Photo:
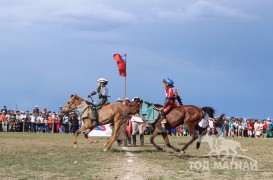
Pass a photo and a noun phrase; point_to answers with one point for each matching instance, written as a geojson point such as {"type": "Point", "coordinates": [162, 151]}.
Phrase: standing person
{"type": "Point", "coordinates": [27, 121]}
{"type": "Point", "coordinates": [75, 122]}
{"type": "Point", "coordinates": [4, 109]}
{"type": "Point", "coordinates": [226, 128]}
{"type": "Point", "coordinates": [46, 129]}
{"type": "Point", "coordinates": [128, 125]}
{"type": "Point", "coordinates": [240, 128]}
{"type": "Point", "coordinates": [264, 128]}
{"type": "Point", "coordinates": [50, 122]}
{"type": "Point", "coordinates": [249, 129]}
{"type": "Point", "coordinates": [32, 122]}
{"type": "Point", "coordinates": [171, 97]}
{"type": "Point", "coordinates": [66, 123]}
{"type": "Point", "coordinates": [261, 127]}
{"type": "Point", "coordinates": [230, 128]}
{"type": "Point", "coordinates": [4, 121]}
{"type": "Point", "coordinates": [12, 121]}
{"type": "Point", "coordinates": [257, 129]}
{"type": "Point", "coordinates": [269, 128]}
{"type": "Point", "coordinates": [23, 120]}
{"type": "Point", "coordinates": [180, 131]}
{"type": "Point", "coordinates": [138, 124]}
{"type": "Point", "coordinates": [58, 123]}
{"type": "Point", "coordinates": [36, 110]}
{"type": "Point", "coordinates": [102, 91]}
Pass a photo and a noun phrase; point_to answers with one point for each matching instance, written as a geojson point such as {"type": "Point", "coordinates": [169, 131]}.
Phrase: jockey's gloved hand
{"type": "Point", "coordinates": [93, 93]}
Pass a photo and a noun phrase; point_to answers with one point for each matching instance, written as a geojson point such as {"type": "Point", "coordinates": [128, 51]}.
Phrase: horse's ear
{"type": "Point", "coordinates": [71, 95]}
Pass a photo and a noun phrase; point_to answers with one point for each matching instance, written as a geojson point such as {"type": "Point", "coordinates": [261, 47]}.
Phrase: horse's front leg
{"type": "Point", "coordinates": [77, 133]}
{"type": "Point", "coordinates": [86, 135]}
{"type": "Point", "coordinates": [155, 133]}
{"type": "Point", "coordinates": [118, 123]}
{"type": "Point", "coordinates": [166, 139]}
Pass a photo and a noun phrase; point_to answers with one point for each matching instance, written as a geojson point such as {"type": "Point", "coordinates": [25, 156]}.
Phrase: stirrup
{"type": "Point", "coordinates": [162, 130]}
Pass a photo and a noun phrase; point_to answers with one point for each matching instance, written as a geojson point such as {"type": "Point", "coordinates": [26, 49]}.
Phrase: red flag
{"type": "Point", "coordinates": [121, 61]}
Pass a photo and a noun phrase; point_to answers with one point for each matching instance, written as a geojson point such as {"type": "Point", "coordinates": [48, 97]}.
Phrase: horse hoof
{"type": "Point", "coordinates": [75, 146]}
{"type": "Point", "coordinates": [95, 141]}
{"type": "Point", "coordinates": [104, 150]}
{"type": "Point", "coordinates": [182, 152]}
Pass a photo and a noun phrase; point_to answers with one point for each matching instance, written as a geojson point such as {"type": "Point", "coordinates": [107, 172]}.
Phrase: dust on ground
{"type": "Point", "coordinates": [133, 166]}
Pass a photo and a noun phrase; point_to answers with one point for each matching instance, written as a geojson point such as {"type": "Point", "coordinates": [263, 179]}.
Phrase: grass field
{"type": "Point", "coordinates": [52, 156]}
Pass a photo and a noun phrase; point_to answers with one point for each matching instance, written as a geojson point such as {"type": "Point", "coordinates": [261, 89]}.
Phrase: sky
{"type": "Point", "coordinates": [219, 53]}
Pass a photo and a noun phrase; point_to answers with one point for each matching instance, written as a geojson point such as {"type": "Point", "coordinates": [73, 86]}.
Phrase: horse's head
{"type": "Point", "coordinates": [135, 105]}
{"type": "Point", "coordinates": [219, 121]}
{"type": "Point", "coordinates": [73, 101]}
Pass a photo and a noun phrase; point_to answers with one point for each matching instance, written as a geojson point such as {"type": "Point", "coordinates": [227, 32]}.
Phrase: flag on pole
{"type": "Point", "coordinates": [121, 61]}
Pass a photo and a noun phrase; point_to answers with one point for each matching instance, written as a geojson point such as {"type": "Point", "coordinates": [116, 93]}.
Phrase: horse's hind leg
{"type": "Point", "coordinates": [191, 129]}
{"type": "Point", "coordinates": [202, 133]}
{"type": "Point", "coordinates": [166, 139]}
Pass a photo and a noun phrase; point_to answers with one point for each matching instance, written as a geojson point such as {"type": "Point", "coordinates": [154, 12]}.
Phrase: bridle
{"type": "Point", "coordinates": [73, 102]}
{"type": "Point", "coordinates": [137, 104]}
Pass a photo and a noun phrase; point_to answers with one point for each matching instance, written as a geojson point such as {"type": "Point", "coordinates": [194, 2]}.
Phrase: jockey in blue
{"type": "Point", "coordinates": [102, 91]}
{"type": "Point", "coordinates": [171, 97]}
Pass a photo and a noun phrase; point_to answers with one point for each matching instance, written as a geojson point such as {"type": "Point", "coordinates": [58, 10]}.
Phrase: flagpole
{"type": "Point", "coordinates": [125, 95]}
{"type": "Point", "coordinates": [124, 87]}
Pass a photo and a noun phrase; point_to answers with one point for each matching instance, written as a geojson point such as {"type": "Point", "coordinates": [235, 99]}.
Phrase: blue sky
{"type": "Point", "coordinates": [217, 52]}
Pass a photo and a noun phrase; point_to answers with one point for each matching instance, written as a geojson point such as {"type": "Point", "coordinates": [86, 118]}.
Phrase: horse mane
{"type": "Point", "coordinates": [158, 105]}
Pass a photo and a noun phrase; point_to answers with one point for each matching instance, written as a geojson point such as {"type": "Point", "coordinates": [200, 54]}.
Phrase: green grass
{"type": "Point", "coordinates": [52, 156]}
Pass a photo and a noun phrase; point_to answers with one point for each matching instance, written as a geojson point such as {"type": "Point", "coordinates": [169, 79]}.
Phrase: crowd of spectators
{"type": "Point", "coordinates": [234, 127]}
{"type": "Point", "coordinates": [44, 121]}
{"type": "Point", "coordinates": [37, 121]}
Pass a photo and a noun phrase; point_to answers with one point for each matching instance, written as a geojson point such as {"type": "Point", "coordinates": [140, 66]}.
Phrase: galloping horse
{"type": "Point", "coordinates": [191, 116]}
{"type": "Point", "coordinates": [116, 113]}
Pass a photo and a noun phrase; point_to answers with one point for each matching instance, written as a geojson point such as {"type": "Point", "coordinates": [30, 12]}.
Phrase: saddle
{"type": "Point", "coordinates": [99, 107]}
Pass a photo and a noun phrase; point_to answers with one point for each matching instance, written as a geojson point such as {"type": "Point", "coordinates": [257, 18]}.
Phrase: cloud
{"type": "Point", "coordinates": [201, 10]}
{"type": "Point", "coordinates": [76, 14]}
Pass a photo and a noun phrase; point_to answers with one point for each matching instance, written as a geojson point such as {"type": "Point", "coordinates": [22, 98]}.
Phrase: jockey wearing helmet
{"type": "Point", "coordinates": [171, 97]}
{"type": "Point", "coordinates": [102, 91]}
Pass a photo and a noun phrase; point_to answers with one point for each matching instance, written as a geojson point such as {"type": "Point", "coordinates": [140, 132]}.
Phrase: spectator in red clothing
{"type": "Point", "coordinates": [249, 129]}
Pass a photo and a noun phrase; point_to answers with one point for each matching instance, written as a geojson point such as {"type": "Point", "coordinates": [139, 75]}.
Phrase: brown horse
{"type": "Point", "coordinates": [112, 113]}
{"type": "Point", "coordinates": [188, 114]}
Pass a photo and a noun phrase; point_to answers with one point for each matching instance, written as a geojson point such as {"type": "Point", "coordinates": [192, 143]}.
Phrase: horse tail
{"type": "Point", "coordinates": [209, 110]}
{"type": "Point", "coordinates": [220, 121]}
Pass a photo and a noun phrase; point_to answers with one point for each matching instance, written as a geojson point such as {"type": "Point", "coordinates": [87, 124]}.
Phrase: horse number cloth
{"type": "Point", "coordinates": [149, 113]}
{"type": "Point", "coordinates": [204, 123]}
{"type": "Point", "coordinates": [82, 108]}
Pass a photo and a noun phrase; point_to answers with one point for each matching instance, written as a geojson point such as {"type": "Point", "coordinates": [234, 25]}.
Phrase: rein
{"type": "Point", "coordinates": [130, 113]}
{"type": "Point", "coordinates": [73, 102]}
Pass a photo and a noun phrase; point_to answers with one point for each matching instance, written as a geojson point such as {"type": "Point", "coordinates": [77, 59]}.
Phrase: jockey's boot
{"type": "Point", "coordinates": [141, 139]}
{"type": "Point", "coordinates": [129, 140]}
{"type": "Point", "coordinates": [134, 140]}
{"type": "Point", "coordinates": [163, 122]}
{"type": "Point", "coordinates": [94, 114]}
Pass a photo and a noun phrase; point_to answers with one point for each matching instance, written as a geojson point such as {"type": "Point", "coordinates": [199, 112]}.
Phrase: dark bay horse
{"type": "Point", "coordinates": [190, 115]}
{"type": "Point", "coordinates": [113, 113]}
